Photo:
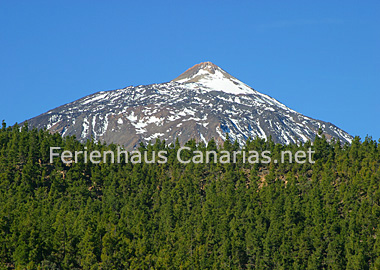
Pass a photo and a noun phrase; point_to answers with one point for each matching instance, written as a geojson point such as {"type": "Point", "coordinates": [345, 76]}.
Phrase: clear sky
{"type": "Point", "coordinates": [320, 58]}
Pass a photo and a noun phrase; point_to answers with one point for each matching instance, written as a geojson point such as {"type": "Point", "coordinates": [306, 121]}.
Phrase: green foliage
{"type": "Point", "coordinates": [188, 216]}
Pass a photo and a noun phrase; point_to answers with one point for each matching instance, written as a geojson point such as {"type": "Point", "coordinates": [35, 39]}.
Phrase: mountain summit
{"type": "Point", "coordinates": [204, 68]}
{"type": "Point", "coordinates": [202, 103]}
{"type": "Point", "coordinates": [213, 77]}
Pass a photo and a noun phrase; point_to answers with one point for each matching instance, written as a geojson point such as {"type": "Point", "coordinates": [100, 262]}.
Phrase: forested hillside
{"type": "Point", "coordinates": [188, 216]}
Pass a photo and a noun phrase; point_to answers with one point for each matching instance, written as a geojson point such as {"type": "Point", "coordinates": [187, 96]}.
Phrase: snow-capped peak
{"type": "Point", "coordinates": [213, 78]}
{"type": "Point", "coordinates": [191, 106]}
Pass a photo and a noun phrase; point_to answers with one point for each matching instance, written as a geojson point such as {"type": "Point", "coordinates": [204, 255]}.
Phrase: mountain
{"type": "Point", "coordinates": [204, 102]}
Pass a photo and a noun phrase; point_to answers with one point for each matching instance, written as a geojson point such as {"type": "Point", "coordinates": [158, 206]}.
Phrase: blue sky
{"type": "Point", "coordinates": [320, 58]}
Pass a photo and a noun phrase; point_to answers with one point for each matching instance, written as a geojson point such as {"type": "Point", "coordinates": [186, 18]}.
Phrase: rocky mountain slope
{"type": "Point", "coordinates": [204, 102]}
